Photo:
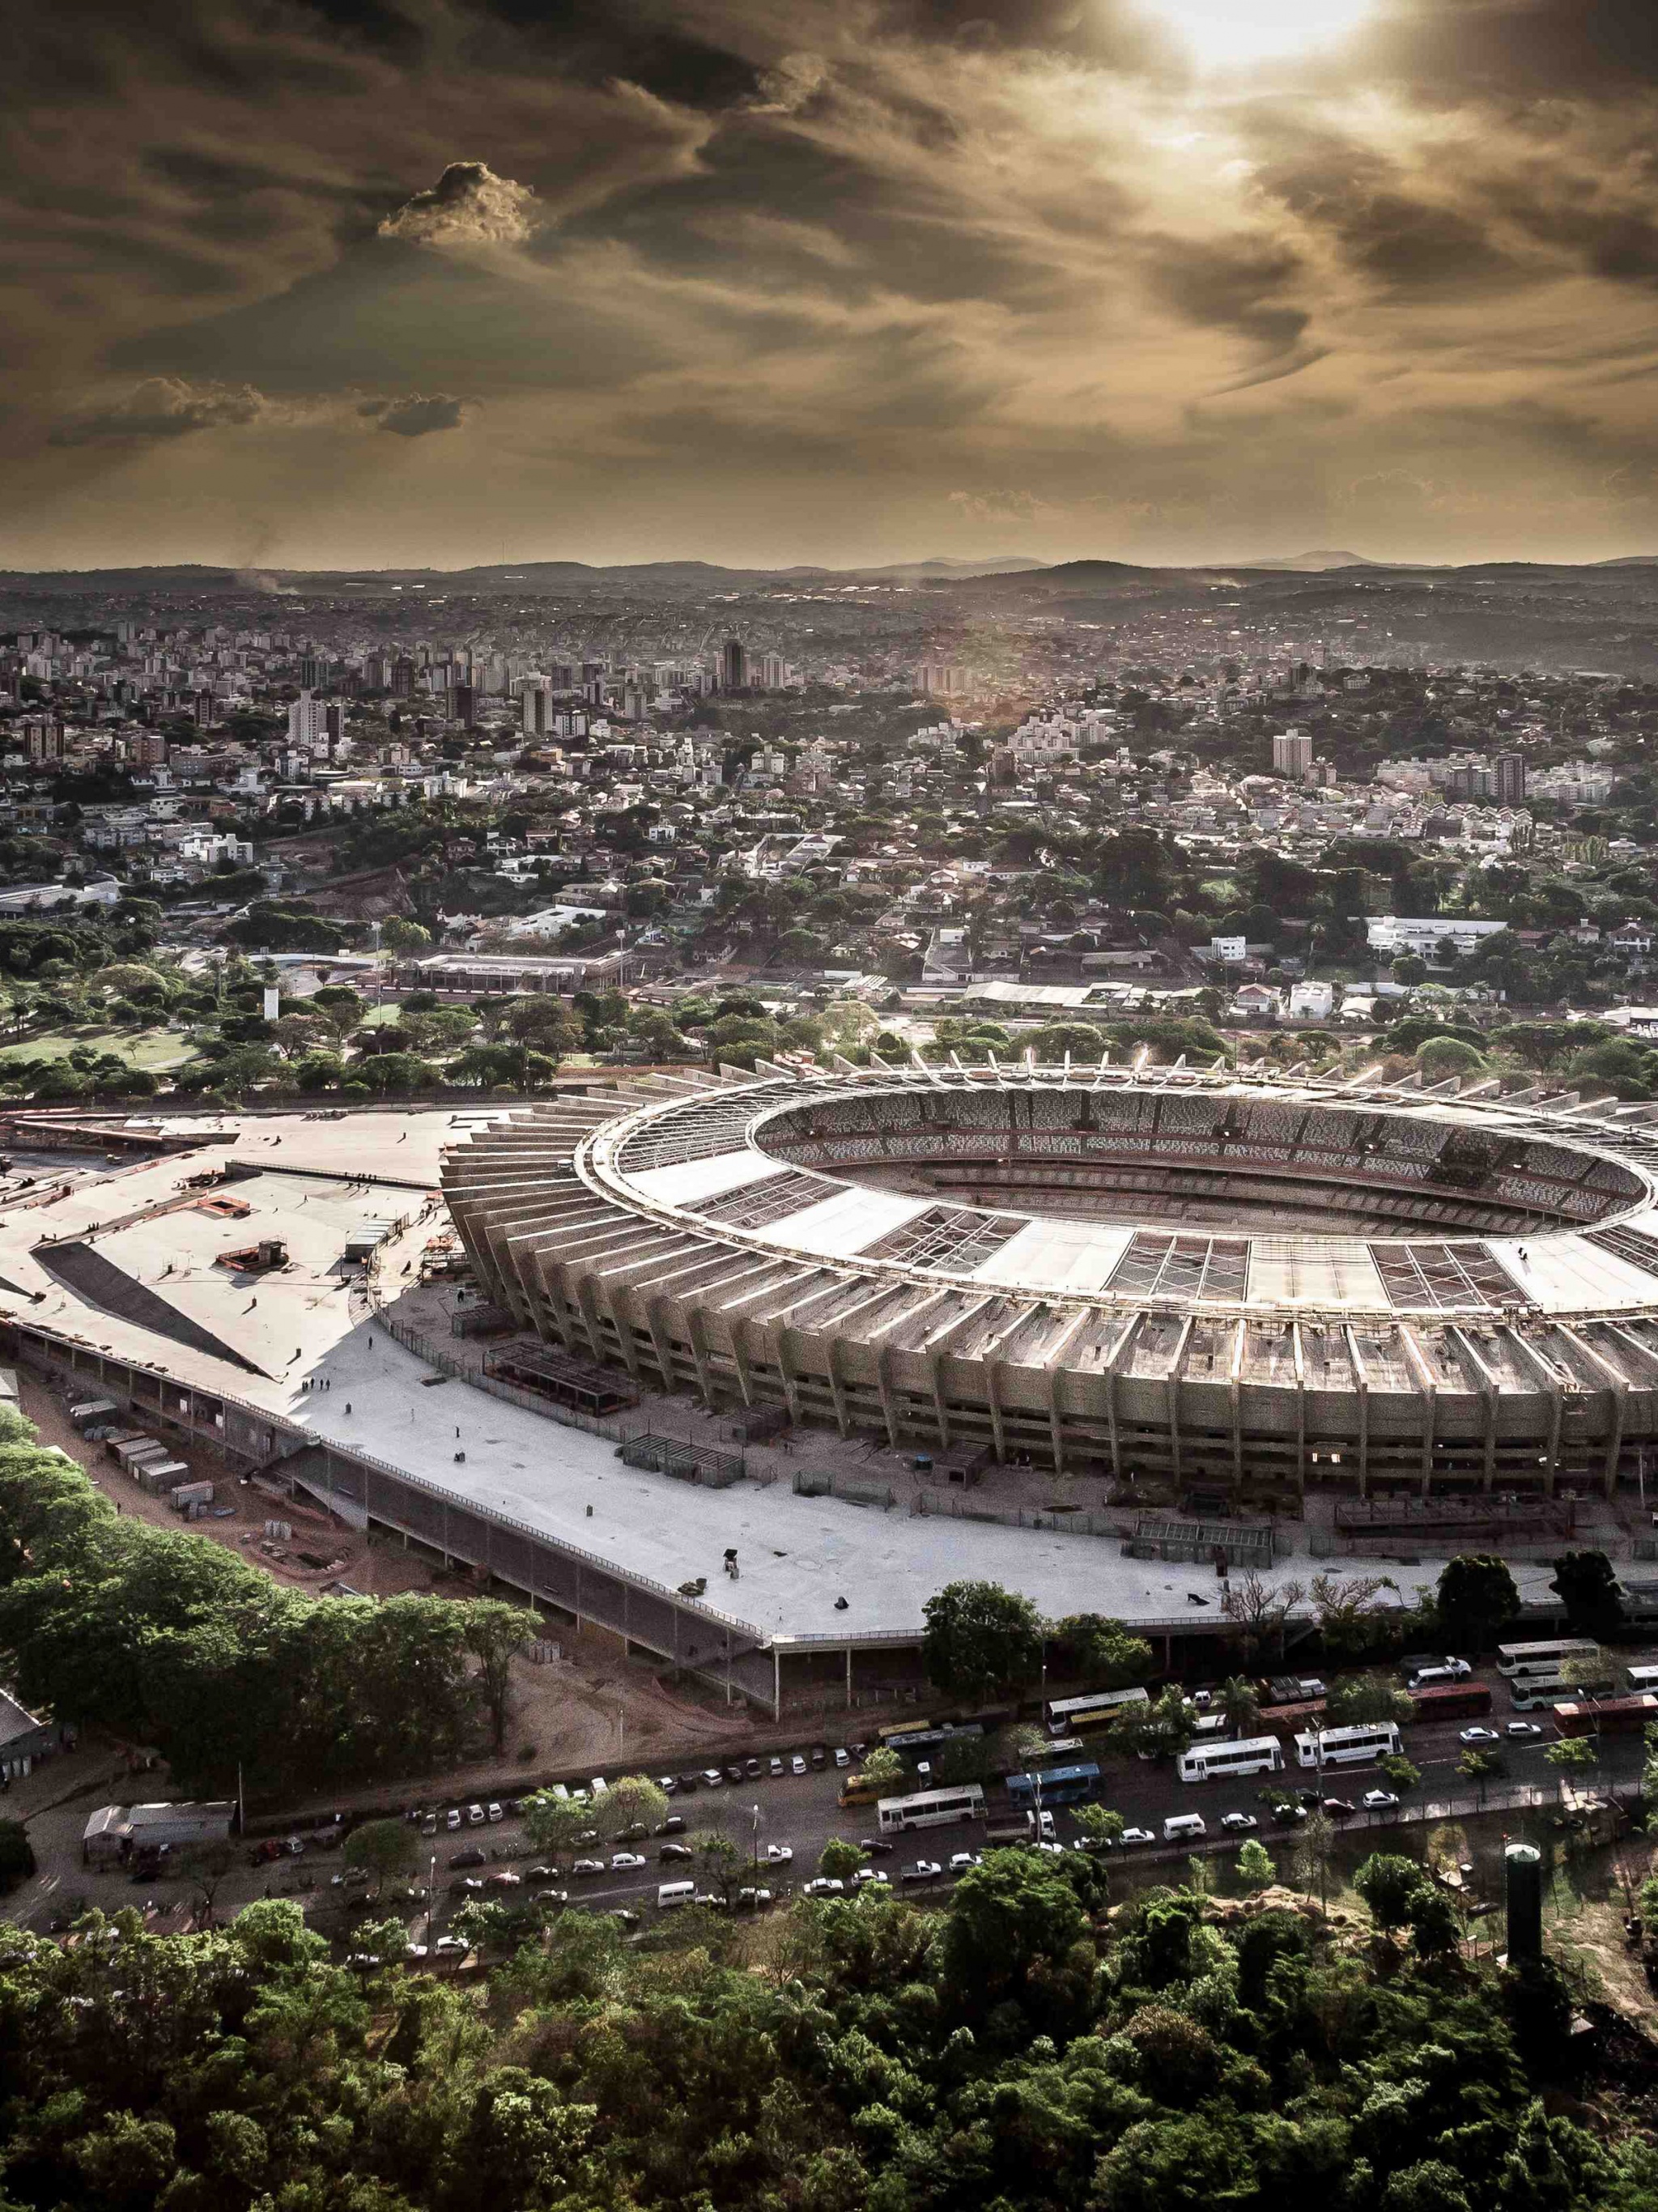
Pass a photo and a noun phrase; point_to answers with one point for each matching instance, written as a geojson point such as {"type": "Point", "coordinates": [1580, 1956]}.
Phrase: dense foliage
{"type": "Point", "coordinates": [1012, 2051]}
{"type": "Point", "coordinates": [171, 1641]}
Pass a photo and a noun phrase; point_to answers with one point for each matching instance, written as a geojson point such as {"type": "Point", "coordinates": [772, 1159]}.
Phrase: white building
{"type": "Point", "coordinates": [307, 724]}
{"type": "Point", "coordinates": [1423, 934]}
{"type": "Point", "coordinates": [1311, 1002]}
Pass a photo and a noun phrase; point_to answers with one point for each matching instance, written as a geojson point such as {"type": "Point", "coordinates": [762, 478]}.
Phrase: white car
{"type": "Point", "coordinates": [798, 1764]}
{"type": "Point", "coordinates": [626, 1862]}
{"type": "Point", "coordinates": [825, 1885]}
{"type": "Point", "coordinates": [475, 1816]}
{"type": "Point", "coordinates": [778, 1854]}
{"type": "Point", "coordinates": [867, 1878]}
{"type": "Point", "coordinates": [1522, 1731]}
{"type": "Point", "coordinates": [712, 1778]}
{"type": "Point", "coordinates": [1136, 1836]}
{"type": "Point", "coordinates": [588, 1866]}
{"type": "Point", "coordinates": [1380, 1800]}
{"type": "Point", "coordinates": [961, 1861]}
{"type": "Point", "coordinates": [1477, 1735]}
{"type": "Point", "coordinates": [492, 1813]}
{"type": "Point", "coordinates": [753, 1900]}
{"type": "Point", "coordinates": [842, 1757]}
{"type": "Point", "coordinates": [1239, 1823]}
{"type": "Point", "coordinates": [451, 1946]}
{"type": "Point", "coordinates": [452, 1819]}
{"type": "Point", "coordinates": [923, 1870]}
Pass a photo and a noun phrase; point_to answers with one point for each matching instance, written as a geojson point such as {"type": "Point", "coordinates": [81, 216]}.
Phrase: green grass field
{"type": "Point", "coordinates": [153, 1048]}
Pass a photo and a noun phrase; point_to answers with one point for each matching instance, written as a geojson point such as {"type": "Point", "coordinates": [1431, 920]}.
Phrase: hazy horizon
{"type": "Point", "coordinates": [348, 283]}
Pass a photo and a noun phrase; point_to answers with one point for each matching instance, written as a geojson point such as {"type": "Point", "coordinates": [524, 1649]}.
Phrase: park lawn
{"type": "Point", "coordinates": [152, 1048]}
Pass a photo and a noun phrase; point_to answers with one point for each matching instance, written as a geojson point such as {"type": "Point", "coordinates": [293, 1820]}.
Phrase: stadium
{"type": "Point", "coordinates": [1212, 1287]}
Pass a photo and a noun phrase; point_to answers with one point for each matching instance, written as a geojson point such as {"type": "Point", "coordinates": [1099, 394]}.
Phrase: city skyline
{"type": "Point", "coordinates": [429, 282]}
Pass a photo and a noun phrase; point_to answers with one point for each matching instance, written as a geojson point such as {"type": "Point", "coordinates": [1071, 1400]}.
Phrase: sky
{"type": "Point", "coordinates": [767, 281]}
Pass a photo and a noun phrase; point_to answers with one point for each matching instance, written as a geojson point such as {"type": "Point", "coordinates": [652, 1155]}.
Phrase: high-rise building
{"type": "Point", "coordinates": [1292, 754]}
{"type": "Point", "coordinates": [307, 724]}
{"type": "Point", "coordinates": [535, 707]}
{"type": "Point", "coordinates": [734, 665]}
{"type": "Point", "coordinates": [462, 705]}
{"type": "Point", "coordinates": [313, 671]}
{"type": "Point", "coordinates": [1509, 778]}
{"type": "Point", "coordinates": [941, 679]}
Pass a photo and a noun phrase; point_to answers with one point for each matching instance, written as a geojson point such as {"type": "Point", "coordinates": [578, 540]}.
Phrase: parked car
{"type": "Point", "coordinates": [841, 1758]}
{"type": "Point", "coordinates": [452, 1819]}
{"type": "Point", "coordinates": [472, 1856]}
{"type": "Point", "coordinates": [712, 1778]}
{"type": "Point", "coordinates": [1380, 1800]}
{"type": "Point", "coordinates": [676, 1851]}
{"type": "Point", "coordinates": [877, 1846]}
{"type": "Point", "coordinates": [1523, 1731]}
{"type": "Point", "coordinates": [753, 1769]}
{"type": "Point", "coordinates": [752, 1900]}
{"type": "Point", "coordinates": [673, 1825]}
{"type": "Point", "coordinates": [825, 1885]}
{"type": "Point", "coordinates": [687, 1783]}
{"type": "Point", "coordinates": [820, 1754]}
{"type": "Point", "coordinates": [870, 1878]}
{"type": "Point", "coordinates": [923, 1870]}
{"type": "Point", "coordinates": [632, 1833]}
{"type": "Point", "coordinates": [1239, 1823]}
{"type": "Point", "coordinates": [627, 1919]}
{"type": "Point", "coordinates": [505, 1878]}
{"type": "Point", "coordinates": [626, 1862]}
{"type": "Point", "coordinates": [776, 1770]}
{"type": "Point", "coordinates": [451, 1946]}
{"type": "Point", "coordinates": [779, 1854]}
{"type": "Point", "coordinates": [492, 1813]}
{"type": "Point", "coordinates": [541, 1873]}
{"type": "Point", "coordinates": [468, 1886]}
{"type": "Point", "coordinates": [797, 1764]}
{"type": "Point", "coordinates": [1477, 1734]}
{"type": "Point", "coordinates": [475, 1816]}
{"type": "Point", "coordinates": [588, 1866]}
{"type": "Point", "coordinates": [734, 1771]}
{"type": "Point", "coordinates": [667, 1783]}
{"type": "Point", "coordinates": [1339, 1809]}
{"type": "Point", "coordinates": [961, 1861]}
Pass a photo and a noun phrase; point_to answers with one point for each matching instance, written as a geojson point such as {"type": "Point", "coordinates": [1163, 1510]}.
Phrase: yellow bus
{"type": "Point", "coordinates": [856, 1790]}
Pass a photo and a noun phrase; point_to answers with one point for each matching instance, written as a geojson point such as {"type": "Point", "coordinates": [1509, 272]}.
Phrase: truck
{"type": "Point", "coordinates": [1022, 1830]}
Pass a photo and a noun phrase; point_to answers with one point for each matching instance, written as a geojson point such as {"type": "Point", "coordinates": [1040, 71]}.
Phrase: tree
{"type": "Point", "coordinates": [1363, 1698]}
{"type": "Point", "coordinates": [204, 1866]}
{"type": "Point", "coordinates": [16, 1855]}
{"type": "Point", "coordinates": [635, 1797]}
{"type": "Point", "coordinates": [839, 1860]}
{"type": "Point", "coordinates": [400, 935]}
{"type": "Point", "coordinates": [1399, 1774]}
{"type": "Point", "coordinates": [1586, 1582]}
{"type": "Point", "coordinates": [1013, 1914]}
{"type": "Point", "coordinates": [1162, 1728]}
{"type": "Point", "coordinates": [1349, 1617]}
{"type": "Point", "coordinates": [383, 1848]}
{"type": "Point", "coordinates": [554, 1824]}
{"type": "Point", "coordinates": [1239, 1705]}
{"type": "Point", "coordinates": [494, 1634]}
{"type": "Point", "coordinates": [1476, 1597]}
{"type": "Point", "coordinates": [1102, 1652]}
{"type": "Point", "coordinates": [718, 1860]}
{"type": "Point", "coordinates": [1260, 1610]}
{"type": "Point", "coordinates": [1435, 1930]}
{"type": "Point", "coordinates": [1255, 1868]}
{"type": "Point", "coordinates": [980, 1640]}
{"type": "Point", "coordinates": [1387, 1882]}
{"type": "Point", "coordinates": [1478, 1767]}
{"type": "Point", "coordinates": [1101, 1825]}
{"type": "Point", "coordinates": [1572, 1754]}
{"type": "Point", "coordinates": [884, 1770]}
{"type": "Point", "coordinates": [1317, 1844]}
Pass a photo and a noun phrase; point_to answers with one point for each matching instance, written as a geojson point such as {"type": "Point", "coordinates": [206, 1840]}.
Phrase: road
{"type": "Point", "coordinates": [803, 1812]}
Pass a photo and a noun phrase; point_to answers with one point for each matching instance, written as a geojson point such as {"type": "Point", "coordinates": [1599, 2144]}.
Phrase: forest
{"type": "Point", "coordinates": [1030, 2044]}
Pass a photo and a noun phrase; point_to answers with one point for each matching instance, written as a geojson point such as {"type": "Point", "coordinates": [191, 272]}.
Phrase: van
{"type": "Point", "coordinates": [670, 1893]}
{"type": "Point", "coordinates": [1433, 1678]}
{"type": "Point", "coordinates": [1181, 1827]}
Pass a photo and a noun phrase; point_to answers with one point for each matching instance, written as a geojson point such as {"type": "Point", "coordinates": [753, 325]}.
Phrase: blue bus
{"type": "Point", "coordinates": [1057, 1786]}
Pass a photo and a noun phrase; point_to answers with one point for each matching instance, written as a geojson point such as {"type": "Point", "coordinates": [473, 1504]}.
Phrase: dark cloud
{"type": "Point", "coordinates": [416, 415]}
{"type": "Point", "coordinates": [160, 409]}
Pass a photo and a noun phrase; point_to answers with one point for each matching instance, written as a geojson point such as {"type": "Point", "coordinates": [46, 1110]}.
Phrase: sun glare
{"type": "Point", "coordinates": [1223, 33]}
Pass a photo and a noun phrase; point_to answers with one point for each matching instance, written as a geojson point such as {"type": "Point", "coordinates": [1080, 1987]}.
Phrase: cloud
{"type": "Point", "coordinates": [161, 408]}
{"type": "Point", "coordinates": [417, 414]}
{"type": "Point", "coordinates": [469, 205]}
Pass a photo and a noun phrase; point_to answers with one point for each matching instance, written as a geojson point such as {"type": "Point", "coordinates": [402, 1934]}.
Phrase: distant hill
{"type": "Point", "coordinates": [1312, 564]}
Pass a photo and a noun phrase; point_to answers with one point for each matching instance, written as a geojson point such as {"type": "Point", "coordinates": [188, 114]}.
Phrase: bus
{"type": "Point", "coordinates": [1517, 1660]}
{"type": "Point", "coordinates": [1291, 1717]}
{"type": "Point", "coordinates": [1612, 1716]}
{"type": "Point", "coordinates": [931, 1809]}
{"type": "Point", "coordinates": [1066, 1747]}
{"type": "Point", "coordinates": [1070, 1716]}
{"type": "Point", "coordinates": [1358, 1745]}
{"type": "Point", "coordinates": [1536, 1693]}
{"type": "Point", "coordinates": [1450, 1701]}
{"type": "Point", "coordinates": [1054, 1785]}
{"type": "Point", "coordinates": [902, 1728]}
{"type": "Point", "coordinates": [918, 1743]}
{"type": "Point", "coordinates": [1249, 1755]}
{"type": "Point", "coordinates": [856, 1790]}
{"type": "Point", "coordinates": [1642, 1678]}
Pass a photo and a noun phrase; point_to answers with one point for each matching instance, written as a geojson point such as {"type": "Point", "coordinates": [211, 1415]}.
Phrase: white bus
{"type": "Point", "coordinates": [1516, 1661]}
{"type": "Point", "coordinates": [1531, 1694]}
{"type": "Point", "coordinates": [1249, 1755]}
{"type": "Point", "coordinates": [931, 1809]}
{"type": "Point", "coordinates": [1069, 1716]}
{"type": "Point", "coordinates": [1358, 1745]}
{"type": "Point", "coordinates": [1642, 1678]}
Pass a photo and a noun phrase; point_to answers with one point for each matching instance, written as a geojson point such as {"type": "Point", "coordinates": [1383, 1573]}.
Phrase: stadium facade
{"type": "Point", "coordinates": [1232, 1285]}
